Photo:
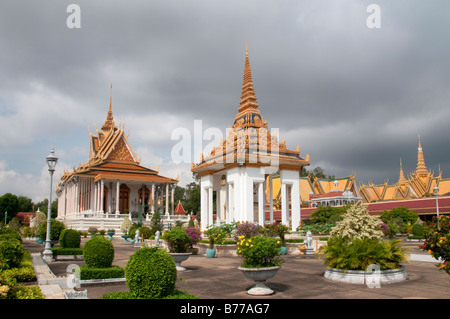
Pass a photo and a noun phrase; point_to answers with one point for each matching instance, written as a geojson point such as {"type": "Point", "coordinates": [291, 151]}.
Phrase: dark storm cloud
{"type": "Point", "coordinates": [353, 98]}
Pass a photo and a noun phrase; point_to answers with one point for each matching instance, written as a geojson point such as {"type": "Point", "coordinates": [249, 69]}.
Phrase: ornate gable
{"type": "Point", "coordinates": [120, 152]}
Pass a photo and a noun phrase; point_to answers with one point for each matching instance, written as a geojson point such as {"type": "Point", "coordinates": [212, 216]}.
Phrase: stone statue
{"type": "Point", "coordinates": [157, 236]}
{"type": "Point", "coordinates": [309, 239]}
{"type": "Point", "coordinates": [137, 239]}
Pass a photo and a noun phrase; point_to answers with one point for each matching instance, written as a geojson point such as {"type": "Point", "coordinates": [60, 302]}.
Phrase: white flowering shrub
{"type": "Point", "coordinates": [357, 223]}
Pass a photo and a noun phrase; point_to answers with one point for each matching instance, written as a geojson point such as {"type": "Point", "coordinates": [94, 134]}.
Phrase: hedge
{"type": "Point", "coordinates": [87, 273]}
{"type": "Point", "coordinates": [60, 251]}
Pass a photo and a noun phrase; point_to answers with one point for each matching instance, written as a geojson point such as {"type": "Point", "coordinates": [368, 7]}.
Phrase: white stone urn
{"type": "Point", "coordinates": [259, 276]}
{"type": "Point", "coordinates": [178, 258]}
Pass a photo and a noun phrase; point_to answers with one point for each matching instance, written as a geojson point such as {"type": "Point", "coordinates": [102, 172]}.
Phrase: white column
{"type": "Point", "coordinates": [227, 205]}
{"type": "Point", "coordinates": [284, 207]}
{"type": "Point", "coordinates": [218, 207]}
{"type": "Point", "coordinates": [203, 207]}
{"type": "Point", "coordinates": [102, 192]}
{"type": "Point", "coordinates": [172, 199]}
{"type": "Point", "coordinates": [295, 204]}
{"type": "Point", "coordinates": [210, 206]}
{"type": "Point", "coordinates": [142, 199]}
{"type": "Point", "coordinates": [153, 197]}
{"type": "Point", "coordinates": [261, 204]}
{"type": "Point", "coordinates": [117, 196]}
{"type": "Point", "coordinates": [167, 199]}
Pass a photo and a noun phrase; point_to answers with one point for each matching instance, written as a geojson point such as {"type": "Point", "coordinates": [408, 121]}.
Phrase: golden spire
{"type": "Point", "coordinates": [248, 97]}
{"type": "Point", "coordinates": [421, 169]}
{"type": "Point", "coordinates": [401, 179]}
{"type": "Point", "coordinates": [109, 123]}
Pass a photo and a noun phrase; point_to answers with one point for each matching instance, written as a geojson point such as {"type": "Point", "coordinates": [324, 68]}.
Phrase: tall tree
{"type": "Point", "coordinates": [25, 204]}
{"type": "Point", "coordinates": [192, 194]}
{"type": "Point", "coordinates": [10, 204]}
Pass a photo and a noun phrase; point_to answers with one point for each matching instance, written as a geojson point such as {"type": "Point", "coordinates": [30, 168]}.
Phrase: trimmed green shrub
{"type": "Point", "coordinates": [98, 252]}
{"type": "Point", "coordinates": [56, 227]}
{"type": "Point", "coordinates": [25, 272]}
{"type": "Point", "coordinates": [87, 272]}
{"type": "Point", "coordinates": [29, 292]}
{"type": "Point", "coordinates": [70, 238]}
{"type": "Point", "coordinates": [11, 253]}
{"type": "Point", "coordinates": [59, 251]}
{"type": "Point", "coordinates": [150, 273]}
{"type": "Point", "coordinates": [8, 236]}
{"type": "Point", "coordinates": [418, 230]}
{"type": "Point", "coordinates": [21, 274]}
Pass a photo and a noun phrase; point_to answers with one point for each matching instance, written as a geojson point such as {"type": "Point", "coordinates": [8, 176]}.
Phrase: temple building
{"type": "Point", "coordinates": [112, 184]}
{"type": "Point", "coordinates": [244, 165]}
{"type": "Point", "coordinates": [419, 184]}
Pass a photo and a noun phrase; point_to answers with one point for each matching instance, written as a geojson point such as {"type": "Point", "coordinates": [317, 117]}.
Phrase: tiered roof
{"type": "Point", "coordinates": [112, 157]}
{"type": "Point", "coordinates": [249, 142]}
{"type": "Point", "coordinates": [419, 184]}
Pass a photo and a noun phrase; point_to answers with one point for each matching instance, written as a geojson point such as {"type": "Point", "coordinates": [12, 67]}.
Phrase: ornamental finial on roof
{"type": "Point", "coordinates": [109, 123]}
{"type": "Point", "coordinates": [248, 97]}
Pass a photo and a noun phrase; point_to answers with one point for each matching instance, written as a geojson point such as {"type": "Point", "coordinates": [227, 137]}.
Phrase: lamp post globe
{"type": "Point", "coordinates": [51, 160]}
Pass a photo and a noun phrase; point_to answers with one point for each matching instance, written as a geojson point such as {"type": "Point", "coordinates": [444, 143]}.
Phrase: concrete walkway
{"type": "Point", "coordinates": [219, 278]}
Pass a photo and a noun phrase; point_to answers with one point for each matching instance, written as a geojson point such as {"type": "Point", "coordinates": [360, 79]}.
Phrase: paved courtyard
{"type": "Point", "coordinates": [298, 278]}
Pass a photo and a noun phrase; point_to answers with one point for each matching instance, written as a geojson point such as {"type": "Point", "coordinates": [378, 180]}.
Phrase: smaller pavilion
{"type": "Point", "coordinates": [113, 184]}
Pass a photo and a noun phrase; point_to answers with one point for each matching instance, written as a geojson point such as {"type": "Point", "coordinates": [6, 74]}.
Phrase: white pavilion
{"type": "Point", "coordinates": [245, 162]}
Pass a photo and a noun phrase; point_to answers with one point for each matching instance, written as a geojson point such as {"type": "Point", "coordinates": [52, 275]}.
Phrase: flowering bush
{"type": "Point", "coordinates": [277, 229]}
{"type": "Point", "coordinates": [247, 229]}
{"type": "Point", "coordinates": [357, 223]}
{"type": "Point", "coordinates": [437, 241]}
{"type": "Point", "coordinates": [216, 235]}
{"type": "Point", "coordinates": [194, 233]}
{"type": "Point", "coordinates": [259, 251]}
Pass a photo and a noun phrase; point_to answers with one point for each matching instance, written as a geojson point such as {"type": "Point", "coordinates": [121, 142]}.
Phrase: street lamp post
{"type": "Point", "coordinates": [436, 191]}
{"type": "Point", "coordinates": [51, 160]}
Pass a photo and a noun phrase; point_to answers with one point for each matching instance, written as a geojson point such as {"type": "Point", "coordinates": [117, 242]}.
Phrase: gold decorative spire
{"type": "Point", "coordinates": [421, 169]}
{"type": "Point", "coordinates": [401, 179]}
{"type": "Point", "coordinates": [109, 123]}
{"type": "Point", "coordinates": [248, 97]}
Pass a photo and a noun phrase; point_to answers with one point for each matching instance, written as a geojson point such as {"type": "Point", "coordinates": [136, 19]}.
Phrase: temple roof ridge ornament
{"type": "Point", "coordinates": [421, 169]}
{"type": "Point", "coordinates": [109, 122]}
{"type": "Point", "coordinates": [401, 179]}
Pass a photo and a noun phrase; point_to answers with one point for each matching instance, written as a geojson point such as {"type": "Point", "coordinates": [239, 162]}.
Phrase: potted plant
{"type": "Point", "coordinates": [125, 227]}
{"type": "Point", "coordinates": [93, 231]}
{"type": "Point", "coordinates": [355, 247]}
{"type": "Point", "coordinates": [280, 230]}
{"type": "Point", "coordinates": [177, 241]}
{"type": "Point", "coordinates": [195, 235]}
{"type": "Point", "coordinates": [215, 236]}
{"type": "Point", "coordinates": [261, 261]}
{"type": "Point", "coordinates": [111, 233]}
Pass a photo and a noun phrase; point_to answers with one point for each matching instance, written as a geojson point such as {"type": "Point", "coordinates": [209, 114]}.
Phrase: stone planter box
{"type": "Point", "coordinates": [364, 277]}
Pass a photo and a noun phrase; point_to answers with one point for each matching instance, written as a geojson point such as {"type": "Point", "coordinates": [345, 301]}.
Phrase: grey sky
{"type": "Point", "coordinates": [354, 98]}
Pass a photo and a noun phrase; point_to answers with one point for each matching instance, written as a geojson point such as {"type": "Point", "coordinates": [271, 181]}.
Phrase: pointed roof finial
{"type": "Point", "coordinates": [109, 123]}
{"type": "Point", "coordinates": [401, 179]}
{"type": "Point", "coordinates": [248, 97]}
{"type": "Point", "coordinates": [421, 169]}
